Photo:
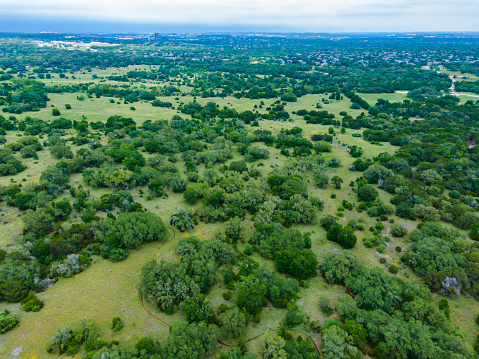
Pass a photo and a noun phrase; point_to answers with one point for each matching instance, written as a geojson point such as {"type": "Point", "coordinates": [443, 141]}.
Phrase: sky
{"type": "Point", "coordinates": [238, 15]}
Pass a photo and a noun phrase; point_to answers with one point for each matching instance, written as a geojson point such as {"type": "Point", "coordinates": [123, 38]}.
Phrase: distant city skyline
{"type": "Point", "coordinates": [238, 16]}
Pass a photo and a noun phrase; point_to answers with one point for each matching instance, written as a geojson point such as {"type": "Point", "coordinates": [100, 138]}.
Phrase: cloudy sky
{"type": "Point", "coordinates": [239, 15]}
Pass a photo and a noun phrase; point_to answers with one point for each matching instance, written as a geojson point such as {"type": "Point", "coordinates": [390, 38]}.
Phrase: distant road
{"type": "Point", "coordinates": [453, 89]}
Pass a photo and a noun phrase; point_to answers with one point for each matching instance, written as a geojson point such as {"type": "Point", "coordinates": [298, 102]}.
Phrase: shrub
{"type": "Point", "coordinates": [398, 231]}
{"type": "Point", "coordinates": [379, 226]}
{"type": "Point", "coordinates": [31, 303]}
{"type": "Point", "coordinates": [248, 249]}
{"type": "Point", "coordinates": [238, 166]}
{"type": "Point", "coordinates": [190, 196]}
{"type": "Point", "coordinates": [183, 219]}
{"type": "Point", "coordinates": [7, 321]}
{"type": "Point", "coordinates": [367, 193]}
{"type": "Point", "coordinates": [179, 185]}
{"type": "Point", "coordinates": [94, 344]}
{"type": "Point", "coordinates": [148, 345]}
{"type": "Point", "coordinates": [227, 295]}
{"type": "Point", "coordinates": [315, 326]}
{"type": "Point", "coordinates": [444, 306]}
{"type": "Point", "coordinates": [67, 339]}
{"type": "Point", "coordinates": [393, 269]}
{"type": "Point", "coordinates": [13, 291]}
{"type": "Point", "coordinates": [281, 303]}
{"type": "Point", "coordinates": [382, 260]}
{"type": "Point", "coordinates": [294, 316]}
{"type": "Point", "coordinates": [325, 306]}
{"type": "Point", "coordinates": [117, 324]}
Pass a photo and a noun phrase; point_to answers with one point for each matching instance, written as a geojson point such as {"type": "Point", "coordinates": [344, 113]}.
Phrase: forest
{"type": "Point", "coordinates": [239, 196]}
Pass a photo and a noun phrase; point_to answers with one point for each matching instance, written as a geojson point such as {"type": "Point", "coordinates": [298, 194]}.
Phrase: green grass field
{"type": "Point", "coordinates": [460, 76]}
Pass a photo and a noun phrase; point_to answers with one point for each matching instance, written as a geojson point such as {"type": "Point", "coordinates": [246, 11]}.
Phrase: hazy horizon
{"type": "Point", "coordinates": [235, 16]}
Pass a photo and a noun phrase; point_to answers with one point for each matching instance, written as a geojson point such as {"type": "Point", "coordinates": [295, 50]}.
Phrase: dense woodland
{"type": "Point", "coordinates": [268, 220]}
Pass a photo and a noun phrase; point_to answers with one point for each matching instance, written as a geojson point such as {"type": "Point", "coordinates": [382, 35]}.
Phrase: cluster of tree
{"type": "Point", "coordinates": [392, 317]}
{"type": "Point", "coordinates": [356, 100]}
{"type": "Point", "coordinates": [468, 86]}
{"type": "Point", "coordinates": [444, 258]}
{"type": "Point", "coordinates": [9, 165]}
{"type": "Point", "coordinates": [68, 250]}
{"type": "Point", "coordinates": [24, 95]}
{"type": "Point", "coordinates": [344, 236]}
{"type": "Point", "coordinates": [318, 117]}
{"type": "Point", "coordinates": [196, 272]}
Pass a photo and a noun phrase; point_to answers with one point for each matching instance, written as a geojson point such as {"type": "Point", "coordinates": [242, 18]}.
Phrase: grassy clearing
{"type": "Point", "coordinates": [460, 76]}
{"type": "Point", "coordinates": [372, 98]}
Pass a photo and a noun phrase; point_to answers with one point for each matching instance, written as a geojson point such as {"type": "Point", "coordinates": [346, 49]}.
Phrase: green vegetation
{"type": "Point", "coordinates": [286, 202]}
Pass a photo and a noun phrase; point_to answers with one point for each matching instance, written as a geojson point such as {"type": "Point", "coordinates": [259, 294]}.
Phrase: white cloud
{"type": "Point", "coordinates": [309, 15]}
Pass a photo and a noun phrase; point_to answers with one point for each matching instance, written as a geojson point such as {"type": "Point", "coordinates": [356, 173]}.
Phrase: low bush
{"type": "Point", "coordinates": [117, 324]}
{"type": "Point", "coordinates": [31, 303]}
{"type": "Point", "coordinates": [7, 321]}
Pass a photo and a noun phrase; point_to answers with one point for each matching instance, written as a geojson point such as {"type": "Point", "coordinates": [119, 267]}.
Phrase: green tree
{"type": "Point", "coordinates": [190, 195]}
{"type": "Point", "coordinates": [166, 284]}
{"type": "Point", "coordinates": [375, 289]}
{"type": "Point", "coordinates": [346, 237]}
{"type": "Point", "coordinates": [129, 230]}
{"type": "Point", "coordinates": [183, 219]}
{"type": "Point", "coordinates": [356, 331]}
{"type": "Point", "coordinates": [339, 344]}
{"type": "Point", "coordinates": [376, 173]}
{"type": "Point", "coordinates": [321, 179]}
{"type": "Point", "coordinates": [251, 294]}
{"type": "Point", "coordinates": [337, 182]}
{"type": "Point", "coordinates": [60, 151]}
{"type": "Point", "coordinates": [190, 341]}
{"type": "Point", "coordinates": [197, 309]}
{"type": "Point", "coordinates": [338, 267]}
{"type": "Point", "coordinates": [273, 346]}
{"type": "Point", "coordinates": [474, 231]}
{"type": "Point", "coordinates": [7, 321]}
{"type": "Point", "coordinates": [367, 193]}
{"type": "Point", "coordinates": [232, 323]}
{"type": "Point", "coordinates": [238, 166]}
{"type": "Point", "coordinates": [39, 222]}
{"type": "Point", "coordinates": [430, 177]}
{"type": "Point", "coordinates": [301, 264]}
{"type": "Point", "coordinates": [235, 230]}
{"type": "Point", "coordinates": [215, 198]}
{"type": "Point", "coordinates": [333, 232]}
